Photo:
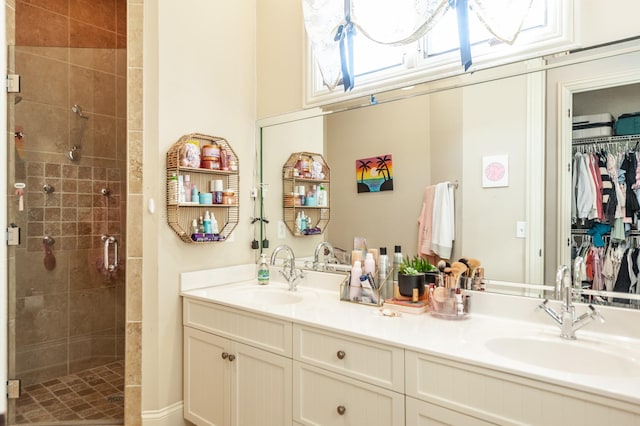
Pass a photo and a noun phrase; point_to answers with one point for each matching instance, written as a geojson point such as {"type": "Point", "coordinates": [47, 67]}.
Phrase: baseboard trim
{"type": "Point", "coordinates": [167, 416]}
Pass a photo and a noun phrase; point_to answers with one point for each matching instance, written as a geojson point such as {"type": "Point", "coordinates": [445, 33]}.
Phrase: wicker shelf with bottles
{"type": "Point", "coordinates": [180, 215]}
{"type": "Point", "coordinates": [294, 176]}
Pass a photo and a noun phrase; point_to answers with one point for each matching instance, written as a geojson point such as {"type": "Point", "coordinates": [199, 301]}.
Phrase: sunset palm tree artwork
{"type": "Point", "coordinates": [374, 174]}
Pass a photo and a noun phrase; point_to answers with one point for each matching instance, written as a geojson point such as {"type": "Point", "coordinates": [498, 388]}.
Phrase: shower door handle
{"type": "Point", "coordinates": [108, 241]}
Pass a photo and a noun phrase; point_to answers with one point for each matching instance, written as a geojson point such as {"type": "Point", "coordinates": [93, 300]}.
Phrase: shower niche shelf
{"type": "Point", "coordinates": [180, 215]}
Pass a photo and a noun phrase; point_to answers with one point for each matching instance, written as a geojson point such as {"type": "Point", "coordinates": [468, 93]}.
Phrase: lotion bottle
{"type": "Point", "coordinates": [298, 224]}
{"type": "Point", "coordinates": [214, 224]}
{"type": "Point", "coordinates": [322, 197]}
{"type": "Point", "coordinates": [369, 264]}
{"type": "Point", "coordinates": [355, 289]}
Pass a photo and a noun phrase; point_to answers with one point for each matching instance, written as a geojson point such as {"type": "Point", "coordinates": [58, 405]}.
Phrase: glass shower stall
{"type": "Point", "coordinates": [66, 180]}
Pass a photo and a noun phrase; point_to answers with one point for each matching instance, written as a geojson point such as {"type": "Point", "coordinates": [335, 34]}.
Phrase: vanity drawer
{"type": "Point", "coordinates": [259, 331]}
{"type": "Point", "coordinates": [324, 398]}
{"type": "Point", "coordinates": [371, 362]}
{"type": "Point", "coordinates": [495, 397]}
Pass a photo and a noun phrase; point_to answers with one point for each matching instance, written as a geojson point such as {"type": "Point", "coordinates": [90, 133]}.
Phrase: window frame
{"type": "Point", "coordinates": [556, 37]}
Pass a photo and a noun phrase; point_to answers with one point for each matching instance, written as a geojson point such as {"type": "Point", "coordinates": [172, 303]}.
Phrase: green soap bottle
{"type": "Point", "coordinates": [263, 270]}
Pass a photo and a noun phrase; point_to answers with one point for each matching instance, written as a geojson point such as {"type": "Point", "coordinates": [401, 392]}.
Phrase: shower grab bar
{"type": "Point", "coordinates": [108, 241]}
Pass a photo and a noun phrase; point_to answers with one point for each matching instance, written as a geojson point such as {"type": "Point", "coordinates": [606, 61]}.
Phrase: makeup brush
{"type": "Point", "coordinates": [473, 266]}
{"type": "Point", "coordinates": [458, 269]}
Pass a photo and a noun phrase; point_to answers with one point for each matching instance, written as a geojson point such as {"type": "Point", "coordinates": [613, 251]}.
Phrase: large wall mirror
{"type": "Point", "coordinates": [443, 132]}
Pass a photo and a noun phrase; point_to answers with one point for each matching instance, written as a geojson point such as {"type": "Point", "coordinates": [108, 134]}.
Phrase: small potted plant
{"type": "Point", "coordinates": [412, 274]}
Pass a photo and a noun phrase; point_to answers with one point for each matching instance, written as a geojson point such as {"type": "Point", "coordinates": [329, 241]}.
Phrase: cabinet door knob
{"type": "Point", "coordinates": [225, 355]}
{"type": "Point", "coordinates": [232, 357]}
{"type": "Point", "coordinates": [341, 410]}
{"type": "Point", "coordinates": [341, 354]}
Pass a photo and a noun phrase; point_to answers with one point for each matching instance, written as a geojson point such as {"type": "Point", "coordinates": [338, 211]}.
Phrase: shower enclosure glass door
{"type": "Point", "coordinates": [67, 193]}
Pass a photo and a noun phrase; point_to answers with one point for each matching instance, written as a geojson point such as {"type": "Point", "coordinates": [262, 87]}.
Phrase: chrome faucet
{"type": "Point", "coordinates": [567, 321]}
{"type": "Point", "coordinates": [320, 249]}
{"type": "Point", "coordinates": [291, 275]}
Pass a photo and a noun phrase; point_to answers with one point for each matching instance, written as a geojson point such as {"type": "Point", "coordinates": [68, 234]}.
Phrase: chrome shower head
{"type": "Point", "coordinates": [78, 110]}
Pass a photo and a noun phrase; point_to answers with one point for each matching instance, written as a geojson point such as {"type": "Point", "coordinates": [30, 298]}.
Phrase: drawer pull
{"type": "Point", "coordinates": [225, 355]}
{"type": "Point", "coordinates": [341, 410]}
{"type": "Point", "coordinates": [341, 354]}
{"type": "Point", "coordinates": [232, 357]}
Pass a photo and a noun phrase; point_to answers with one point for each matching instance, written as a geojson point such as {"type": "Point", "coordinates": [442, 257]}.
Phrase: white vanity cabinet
{"type": "Point", "coordinates": [237, 367]}
{"type": "Point", "coordinates": [339, 379]}
{"type": "Point", "coordinates": [441, 391]}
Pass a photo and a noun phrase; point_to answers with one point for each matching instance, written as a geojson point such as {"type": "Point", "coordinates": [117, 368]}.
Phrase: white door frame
{"type": "Point", "coordinates": [566, 90]}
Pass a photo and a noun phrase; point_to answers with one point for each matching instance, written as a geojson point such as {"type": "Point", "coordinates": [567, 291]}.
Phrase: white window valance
{"type": "Point", "coordinates": [331, 25]}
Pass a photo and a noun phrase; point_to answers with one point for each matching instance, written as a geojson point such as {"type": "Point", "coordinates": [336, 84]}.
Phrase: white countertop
{"type": "Point", "coordinates": [457, 340]}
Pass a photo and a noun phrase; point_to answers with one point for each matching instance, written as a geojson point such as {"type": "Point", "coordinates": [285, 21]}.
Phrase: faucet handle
{"type": "Point", "coordinates": [543, 305]}
{"type": "Point", "coordinates": [595, 314]}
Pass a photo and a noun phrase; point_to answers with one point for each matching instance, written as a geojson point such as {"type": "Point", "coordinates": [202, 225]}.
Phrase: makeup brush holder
{"type": "Point", "coordinates": [448, 303]}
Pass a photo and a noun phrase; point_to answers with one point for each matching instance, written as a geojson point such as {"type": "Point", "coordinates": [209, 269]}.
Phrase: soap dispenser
{"type": "Point", "coordinates": [263, 270]}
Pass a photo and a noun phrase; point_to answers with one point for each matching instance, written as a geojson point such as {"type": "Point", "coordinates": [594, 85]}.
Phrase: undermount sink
{"type": "Point", "coordinates": [268, 295]}
{"type": "Point", "coordinates": [576, 357]}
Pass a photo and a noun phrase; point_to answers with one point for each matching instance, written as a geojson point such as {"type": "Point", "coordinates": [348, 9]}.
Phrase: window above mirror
{"type": "Point", "coordinates": [547, 29]}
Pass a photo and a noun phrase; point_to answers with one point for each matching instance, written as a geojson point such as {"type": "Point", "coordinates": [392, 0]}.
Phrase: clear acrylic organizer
{"type": "Point", "coordinates": [367, 296]}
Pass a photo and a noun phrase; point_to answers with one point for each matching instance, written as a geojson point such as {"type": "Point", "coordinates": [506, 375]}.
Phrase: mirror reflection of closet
{"type": "Point", "coordinates": [600, 255]}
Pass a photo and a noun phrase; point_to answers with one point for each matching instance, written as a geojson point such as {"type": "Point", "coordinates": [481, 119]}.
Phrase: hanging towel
{"type": "Point", "coordinates": [425, 229]}
{"type": "Point", "coordinates": [443, 221]}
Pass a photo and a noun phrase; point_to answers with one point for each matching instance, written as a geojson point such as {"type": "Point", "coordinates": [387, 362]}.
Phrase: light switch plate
{"type": "Point", "coordinates": [282, 230]}
{"type": "Point", "coordinates": [521, 229]}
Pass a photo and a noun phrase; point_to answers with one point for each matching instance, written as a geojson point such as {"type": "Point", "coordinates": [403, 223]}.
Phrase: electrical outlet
{"type": "Point", "coordinates": [13, 236]}
{"type": "Point", "coordinates": [282, 230]}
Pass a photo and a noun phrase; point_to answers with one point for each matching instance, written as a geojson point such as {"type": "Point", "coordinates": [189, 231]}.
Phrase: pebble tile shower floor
{"type": "Point", "coordinates": [94, 395]}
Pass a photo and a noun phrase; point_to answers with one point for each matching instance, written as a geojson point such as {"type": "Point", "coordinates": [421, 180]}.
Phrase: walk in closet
{"type": "Point", "coordinates": [605, 210]}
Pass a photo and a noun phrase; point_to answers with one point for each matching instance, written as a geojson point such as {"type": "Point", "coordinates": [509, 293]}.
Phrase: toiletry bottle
{"type": "Point", "coordinates": [181, 195]}
{"type": "Point", "coordinates": [369, 264]}
{"type": "Point", "coordinates": [173, 189]}
{"type": "Point", "coordinates": [194, 226]}
{"type": "Point", "coordinates": [201, 225]}
{"type": "Point", "coordinates": [311, 199]}
{"type": "Point", "coordinates": [207, 222]}
{"type": "Point", "coordinates": [298, 224]}
{"type": "Point", "coordinates": [214, 224]}
{"type": "Point", "coordinates": [459, 303]}
{"type": "Point", "coordinates": [194, 194]}
{"type": "Point", "coordinates": [322, 197]}
{"type": "Point", "coordinates": [354, 283]}
{"type": "Point", "coordinates": [263, 270]}
{"type": "Point", "coordinates": [383, 264]}
{"type": "Point", "coordinates": [397, 260]}
{"type": "Point", "coordinates": [187, 188]}
{"type": "Point", "coordinates": [303, 222]}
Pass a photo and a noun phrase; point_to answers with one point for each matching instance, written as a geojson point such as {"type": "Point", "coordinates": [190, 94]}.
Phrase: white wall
{"type": "Point", "coordinates": [199, 77]}
{"type": "Point", "coordinates": [494, 123]}
{"type": "Point", "coordinates": [385, 218]}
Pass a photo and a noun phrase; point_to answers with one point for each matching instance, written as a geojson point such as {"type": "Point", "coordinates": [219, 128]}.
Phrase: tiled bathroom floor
{"type": "Point", "coordinates": [91, 395]}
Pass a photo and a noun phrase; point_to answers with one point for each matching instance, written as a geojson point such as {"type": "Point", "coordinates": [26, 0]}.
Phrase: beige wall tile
{"type": "Point", "coordinates": [133, 354]}
{"type": "Point", "coordinates": [134, 292]}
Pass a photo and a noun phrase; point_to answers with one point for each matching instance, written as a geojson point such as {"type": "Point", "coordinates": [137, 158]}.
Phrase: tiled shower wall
{"type": "Point", "coordinates": [70, 317]}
